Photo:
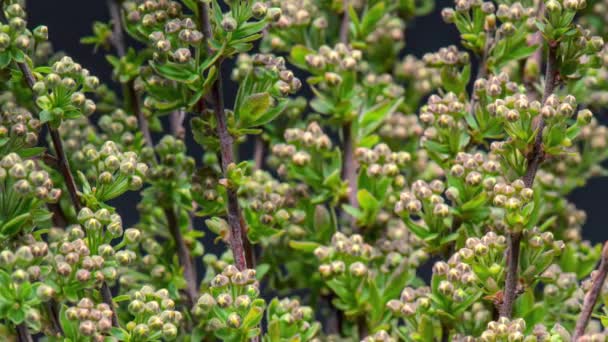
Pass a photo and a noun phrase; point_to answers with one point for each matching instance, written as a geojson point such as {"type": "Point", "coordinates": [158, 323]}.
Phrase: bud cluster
{"type": "Point", "coordinates": [516, 199]}
{"type": "Point", "coordinates": [175, 40]}
{"type": "Point", "coordinates": [122, 128]}
{"type": "Point", "coordinates": [18, 127]}
{"type": "Point", "coordinates": [271, 205]}
{"type": "Point", "coordinates": [381, 161]}
{"type": "Point", "coordinates": [446, 57]}
{"type": "Point", "coordinates": [454, 281]}
{"type": "Point", "coordinates": [425, 212]}
{"type": "Point", "coordinates": [380, 336]}
{"type": "Point", "coordinates": [385, 41]}
{"type": "Point", "coordinates": [15, 39]}
{"type": "Point", "coordinates": [233, 295]}
{"type": "Point", "coordinates": [505, 330]}
{"type": "Point", "coordinates": [295, 321]}
{"type": "Point", "coordinates": [110, 171]}
{"type": "Point", "coordinates": [153, 311]}
{"type": "Point", "coordinates": [302, 144]}
{"type": "Point", "coordinates": [78, 264]}
{"type": "Point", "coordinates": [23, 187]}
{"type": "Point", "coordinates": [94, 320]}
{"type": "Point", "coordinates": [486, 258]}
{"type": "Point", "coordinates": [333, 63]}
{"type": "Point", "coordinates": [399, 127]}
{"type": "Point", "coordinates": [562, 295]}
{"type": "Point", "coordinates": [143, 17]}
{"type": "Point", "coordinates": [295, 16]}
{"type": "Point", "coordinates": [400, 246]}
{"type": "Point", "coordinates": [444, 126]}
{"type": "Point", "coordinates": [345, 254]}
{"type": "Point", "coordinates": [61, 93]}
{"type": "Point", "coordinates": [420, 80]}
{"type": "Point", "coordinates": [411, 301]}
{"type": "Point", "coordinates": [76, 134]}
{"type": "Point", "coordinates": [264, 72]}
{"type": "Point", "coordinates": [173, 161]}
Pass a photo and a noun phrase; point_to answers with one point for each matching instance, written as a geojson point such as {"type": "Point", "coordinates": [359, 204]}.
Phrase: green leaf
{"type": "Point", "coordinates": [254, 106]}
{"type": "Point", "coordinates": [298, 55]}
{"type": "Point", "coordinates": [253, 318]}
{"type": "Point", "coordinates": [305, 246]}
{"type": "Point", "coordinates": [374, 117]}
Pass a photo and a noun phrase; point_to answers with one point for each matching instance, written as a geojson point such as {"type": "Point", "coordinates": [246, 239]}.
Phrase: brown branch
{"type": "Point", "coordinates": [535, 158]}
{"type": "Point", "coordinates": [350, 166]}
{"type": "Point", "coordinates": [592, 296]}
{"type": "Point", "coordinates": [345, 23]}
{"type": "Point", "coordinates": [183, 255]}
{"type": "Point", "coordinates": [23, 334]}
{"type": "Point", "coordinates": [537, 57]}
{"type": "Point", "coordinates": [238, 238]}
{"type": "Point", "coordinates": [129, 92]}
{"type": "Point", "coordinates": [258, 153]}
{"type": "Point", "coordinates": [66, 172]}
{"type": "Point", "coordinates": [51, 307]}
{"type": "Point", "coordinates": [176, 120]}
{"type": "Point", "coordinates": [349, 171]}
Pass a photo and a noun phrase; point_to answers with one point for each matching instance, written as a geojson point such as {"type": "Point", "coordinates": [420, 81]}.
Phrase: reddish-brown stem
{"type": "Point", "coordinates": [238, 238]}
{"type": "Point", "coordinates": [537, 56]}
{"type": "Point", "coordinates": [344, 27]}
{"type": "Point", "coordinates": [535, 158]}
{"type": "Point", "coordinates": [176, 120]}
{"type": "Point", "coordinates": [129, 92]}
{"type": "Point", "coordinates": [51, 307]}
{"type": "Point", "coordinates": [183, 255]}
{"type": "Point", "coordinates": [23, 334]}
{"type": "Point", "coordinates": [592, 296]}
{"type": "Point", "coordinates": [349, 171]}
{"type": "Point", "coordinates": [68, 178]}
{"type": "Point", "coordinates": [258, 153]}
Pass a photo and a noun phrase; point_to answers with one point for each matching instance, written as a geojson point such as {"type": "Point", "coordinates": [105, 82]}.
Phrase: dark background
{"type": "Point", "coordinates": [69, 20]}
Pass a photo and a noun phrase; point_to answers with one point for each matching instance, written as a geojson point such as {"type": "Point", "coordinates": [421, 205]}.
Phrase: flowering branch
{"type": "Point", "coordinates": [68, 177]}
{"type": "Point", "coordinates": [237, 225]}
{"type": "Point", "coordinates": [535, 158]}
{"type": "Point", "coordinates": [592, 296]}
{"type": "Point", "coordinates": [118, 42]}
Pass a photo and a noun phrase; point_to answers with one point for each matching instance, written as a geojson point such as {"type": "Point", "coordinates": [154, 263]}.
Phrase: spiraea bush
{"type": "Point", "coordinates": [458, 163]}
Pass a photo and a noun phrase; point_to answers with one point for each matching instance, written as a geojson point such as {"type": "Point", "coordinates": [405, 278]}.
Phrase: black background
{"type": "Point", "coordinates": [69, 20]}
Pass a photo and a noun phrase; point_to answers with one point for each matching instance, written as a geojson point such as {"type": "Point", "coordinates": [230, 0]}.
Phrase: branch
{"type": "Point", "coordinates": [592, 295]}
{"type": "Point", "coordinates": [238, 236]}
{"type": "Point", "coordinates": [176, 120]}
{"type": "Point", "coordinates": [129, 93]}
{"type": "Point", "coordinates": [258, 153]}
{"type": "Point", "coordinates": [51, 307]}
{"type": "Point", "coordinates": [535, 158]}
{"type": "Point", "coordinates": [66, 172]}
{"type": "Point", "coordinates": [23, 334]}
{"type": "Point", "coordinates": [183, 255]}
{"type": "Point", "coordinates": [349, 168]}
{"type": "Point", "coordinates": [345, 23]}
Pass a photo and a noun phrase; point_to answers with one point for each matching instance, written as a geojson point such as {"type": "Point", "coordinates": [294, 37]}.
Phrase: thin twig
{"type": "Point", "coordinates": [591, 298]}
{"type": "Point", "coordinates": [535, 158]}
{"type": "Point", "coordinates": [183, 255]}
{"type": "Point", "coordinates": [349, 168]}
{"type": "Point", "coordinates": [23, 334]}
{"type": "Point", "coordinates": [129, 92]}
{"type": "Point", "coordinates": [345, 23]}
{"type": "Point", "coordinates": [537, 56]}
{"type": "Point", "coordinates": [51, 307]}
{"type": "Point", "coordinates": [258, 153]}
{"type": "Point", "coordinates": [68, 177]}
{"type": "Point", "coordinates": [238, 238]}
{"type": "Point", "coordinates": [176, 121]}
